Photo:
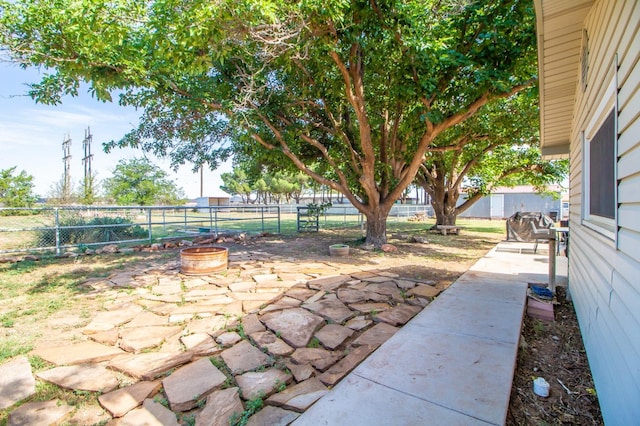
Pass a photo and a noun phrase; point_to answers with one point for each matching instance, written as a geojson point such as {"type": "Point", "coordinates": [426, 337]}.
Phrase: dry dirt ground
{"type": "Point", "coordinates": [551, 350]}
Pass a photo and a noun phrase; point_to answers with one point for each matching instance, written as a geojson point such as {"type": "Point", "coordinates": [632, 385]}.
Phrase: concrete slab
{"type": "Point", "coordinates": [358, 401]}
{"type": "Point", "coordinates": [461, 313]}
{"type": "Point", "coordinates": [463, 373]}
{"type": "Point", "coordinates": [485, 286]}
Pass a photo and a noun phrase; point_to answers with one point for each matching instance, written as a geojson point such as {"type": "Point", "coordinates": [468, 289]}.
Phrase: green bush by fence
{"type": "Point", "coordinates": [78, 230]}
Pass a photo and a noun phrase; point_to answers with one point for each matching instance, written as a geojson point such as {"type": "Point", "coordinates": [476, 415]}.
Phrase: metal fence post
{"type": "Point", "coordinates": [216, 221]}
{"type": "Point", "coordinates": [262, 217]}
{"type": "Point", "coordinates": [149, 224]}
{"type": "Point", "coordinates": [185, 219]}
{"type": "Point", "coordinates": [278, 210]}
{"type": "Point", "coordinates": [57, 224]}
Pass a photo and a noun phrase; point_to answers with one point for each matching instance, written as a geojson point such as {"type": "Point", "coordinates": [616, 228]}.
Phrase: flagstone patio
{"type": "Point", "coordinates": [280, 330]}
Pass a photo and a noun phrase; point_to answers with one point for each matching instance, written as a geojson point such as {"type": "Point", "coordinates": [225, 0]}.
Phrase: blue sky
{"type": "Point", "coordinates": [31, 136]}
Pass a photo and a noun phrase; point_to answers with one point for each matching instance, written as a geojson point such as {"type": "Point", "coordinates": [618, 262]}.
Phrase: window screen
{"type": "Point", "coordinates": [602, 185]}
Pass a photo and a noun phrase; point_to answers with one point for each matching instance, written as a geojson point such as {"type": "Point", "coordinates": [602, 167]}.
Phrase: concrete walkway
{"type": "Point", "coordinates": [451, 364]}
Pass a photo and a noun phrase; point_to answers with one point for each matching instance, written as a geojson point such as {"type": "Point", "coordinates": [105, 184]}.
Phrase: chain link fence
{"type": "Point", "coordinates": [61, 228]}
{"type": "Point", "coordinates": [58, 228]}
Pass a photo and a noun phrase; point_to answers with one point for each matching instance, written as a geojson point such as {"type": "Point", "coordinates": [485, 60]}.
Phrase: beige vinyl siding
{"type": "Point", "coordinates": [604, 273]}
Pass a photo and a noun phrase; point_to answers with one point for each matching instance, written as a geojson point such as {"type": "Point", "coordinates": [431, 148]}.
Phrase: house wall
{"type": "Point", "coordinates": [604, 270]}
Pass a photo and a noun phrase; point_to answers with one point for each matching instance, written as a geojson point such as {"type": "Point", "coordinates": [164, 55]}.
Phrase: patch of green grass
{"type": "Point", "coordinates": [13, 346]}
{"type": "Point", "coordinates": [38, 364]}
{"type": "Point", "coordinates": [160, 399]}
{"type": "Point", "coordinates": [314, 343]}
{"type": "Point", "coordinates": [251, 407]}
{"type": "Point", "coordinates": [7, 320]}
{"type": "Point", "coordinates": [280, 386]}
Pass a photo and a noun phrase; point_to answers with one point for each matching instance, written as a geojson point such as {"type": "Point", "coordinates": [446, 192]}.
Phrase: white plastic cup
{"type": "Point", "coordinates": [541, 387]}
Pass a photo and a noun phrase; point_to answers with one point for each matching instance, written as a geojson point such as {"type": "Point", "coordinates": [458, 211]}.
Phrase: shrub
{"type": "Point", "coordinates": [77, 230]}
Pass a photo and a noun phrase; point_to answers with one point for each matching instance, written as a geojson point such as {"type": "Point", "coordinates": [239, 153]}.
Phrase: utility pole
{"type": "Point", "coordinates": [66, 183]}
{"type": "Point", "coordinates": [201, 181]}
{"type": "Point", "coordinates": [86, 161]}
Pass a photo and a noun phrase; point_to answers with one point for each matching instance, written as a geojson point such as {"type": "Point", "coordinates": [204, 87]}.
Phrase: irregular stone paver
{"type": "Point", "coordinates": [121, 401]}
{"type": "Point", "coordinates": [89, 377]}
{"type": "Point", "coordinates": [300, 293]}
{"type": "Point", "coordinates": [16, 382]}
{"type": "Point", "coordinates": [167, 289]}
{"type": "Point", "coordinates": [244, 357]}
{"type": "Point", "coordinates": [386, 288]}
{"type": "Point", "coordinates": [185, 386]}
{"type": "Point", "coordinates": [268, 341]}
{"type": "Point", "coordinates": [168, 298]}
{"type": "Point", "coordinates": [254, 384]}
{"type": "Point", "coordinates": [330, 308]}
{"type": "Point", "coordinates": [40, 413]}
{"type": "Point", "coordinates": [333, 335]}
{"type": "Point", "coordinates": [140, 338]}
{"type": "Point", "coordinates": [363, 275]}
{"type": "Point", "coordinates": [208, 325]}
{"type": "Point", "coordinates": [159, 308]}
{"type": "Point", "coordinates": [366, 308]}
{"type": "Point", "coordinates": [104, 321]}
{"type": "Point", "coordinates": [265, 278]}
{"type": "Point", "coordinates": [228, 339]}
{"type": "Point", "coordinates": [352, 295]}
{"type": "Point", "coordinates": [300, 371]}
{"type": "Point", "coordinates": [201, 344]}
{"type": "Point", "coordinates": [202, 294]}
{"type": "Point", "coordinates": [318, 357]}
{"type": "Point", "coordinates": [398, 315]}
{"type": "Point", "coordinates": [79, 353]}
{"type": "Point", "coordinates": [358, 323]}
{"type": "Point", "coordinates": [299, 397]}
{"type": "Point", "coordinates": [220, 407]}
{"type": "Point", "coordinates": [148, 366]}
{"type": "Point", "coordinates": [146, 319]}
{"type": "Point", "coordinates": [328, 283]}
{"type": "Point", "coordinates": [296, 325]}
{"type": "Point", "coordinates": [336, 372]}
{"type": "Point", "coordinates": [317, 296]}
{"type": "Point", "coordinates": [242, 286]}
{"type": "Point", "coordinates": [376, 335]}
{"type": "Point", "coordinates": [405, 284]}
{"type": "Point", "coordinates": [426, 291]}
{"type": "Point", "coordinates": [150, 414]}
{"type": "Point", "coordinates": [208, 305]}
{"type": "Point", "coordinates": [109, 337]}
{"type": "Point", "coordinates": [251, 324]}
{"type": "Point", "coordinates": [376, 279]}
{"type": "Point", "coordinates": [284, 303]}
{"type": "Point", "coordinates": [272, 416]}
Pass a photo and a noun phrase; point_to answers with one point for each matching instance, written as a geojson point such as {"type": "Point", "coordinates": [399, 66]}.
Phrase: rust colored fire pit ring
{"type": "Point", "coordinates": [203, 260]}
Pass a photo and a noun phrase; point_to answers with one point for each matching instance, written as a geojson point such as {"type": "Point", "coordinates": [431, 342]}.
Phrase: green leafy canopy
{"type": "Point", "coordinates": [361, 87]}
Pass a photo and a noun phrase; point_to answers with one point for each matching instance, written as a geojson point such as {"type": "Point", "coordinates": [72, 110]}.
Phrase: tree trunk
{"type": "Point", "coordinates": [444, 208]}
{"type": "Point", "coordinates": [376, 227]}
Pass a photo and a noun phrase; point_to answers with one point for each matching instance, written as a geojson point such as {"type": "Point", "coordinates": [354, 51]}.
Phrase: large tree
{"type": "Point", "coordinates": [363, 86]}
{"type": "Point", "coordinates": [16, 190]}
{"type": "Point", "coordinates": [496, 147]}
{"type": "Point", "coordinates": [138, 182]}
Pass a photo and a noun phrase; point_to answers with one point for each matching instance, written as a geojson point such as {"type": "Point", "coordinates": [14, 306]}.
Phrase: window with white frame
{"type": "Point", "coordinates": [599, 167]}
